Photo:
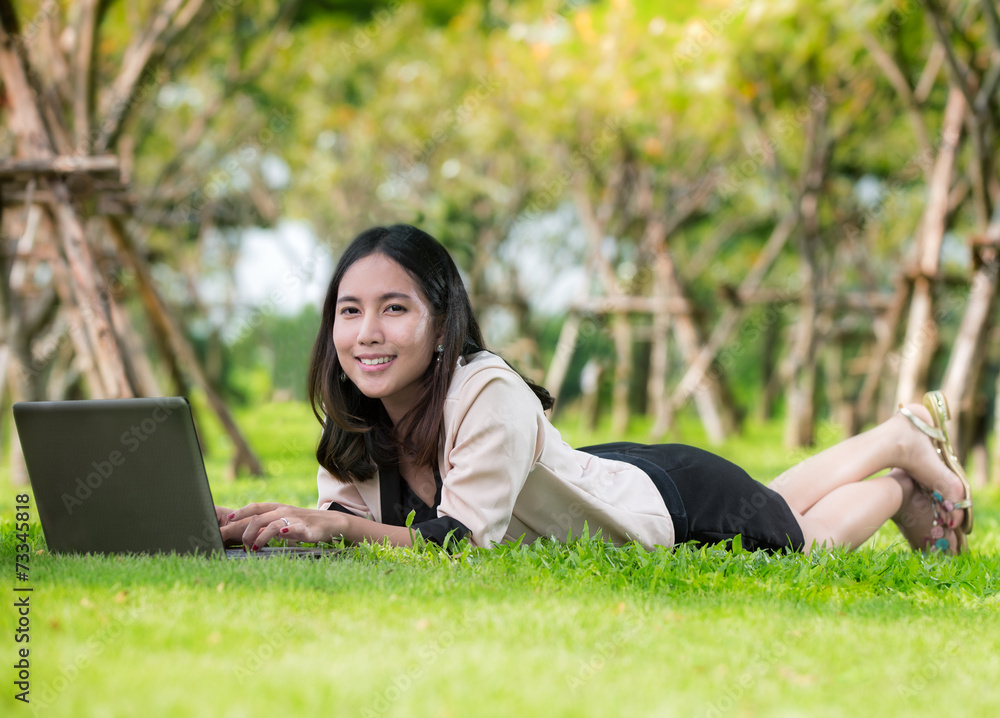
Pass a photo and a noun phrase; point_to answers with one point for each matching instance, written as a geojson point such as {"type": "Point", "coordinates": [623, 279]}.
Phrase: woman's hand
{"type": "Point", "coordinates": [232, 531]}
{"type": "Point", "coordinates": [263, 522]}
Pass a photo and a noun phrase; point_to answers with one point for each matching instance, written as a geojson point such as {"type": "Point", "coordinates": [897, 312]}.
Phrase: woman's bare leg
{"type": "Point", "coordinates": [893, 443]}
{"type": "Point", "coordinates": [851, 513]}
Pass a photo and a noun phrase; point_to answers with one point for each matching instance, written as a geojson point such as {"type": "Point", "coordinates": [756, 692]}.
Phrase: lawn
{"type": "Point", "coordinates": [541, 630]}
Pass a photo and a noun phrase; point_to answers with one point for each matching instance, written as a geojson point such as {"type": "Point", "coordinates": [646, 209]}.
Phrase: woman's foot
{"type": "Point", "coordinates": [921, 462]}
{"type": "Point", "coordinates": [920, 522]}
{"type": "Point", "coordinates": [937, 404]}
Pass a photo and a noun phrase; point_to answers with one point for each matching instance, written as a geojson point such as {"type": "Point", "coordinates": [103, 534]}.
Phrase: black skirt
{"type": "Point", "coordinates": [710, 499]}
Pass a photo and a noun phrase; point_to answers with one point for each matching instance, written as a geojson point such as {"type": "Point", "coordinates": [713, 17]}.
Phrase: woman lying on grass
{"type": "Point", "coordinates": [419, 417]}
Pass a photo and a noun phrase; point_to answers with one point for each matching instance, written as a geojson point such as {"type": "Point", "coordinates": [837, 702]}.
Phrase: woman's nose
{"type": "Point", "coordinates": [371, 330]}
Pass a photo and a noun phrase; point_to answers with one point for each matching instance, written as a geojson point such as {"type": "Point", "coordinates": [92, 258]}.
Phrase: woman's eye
{"type": "Point", "coordinates": [348, 310]}
{"type": "Point", "coordinates": [396, 308]}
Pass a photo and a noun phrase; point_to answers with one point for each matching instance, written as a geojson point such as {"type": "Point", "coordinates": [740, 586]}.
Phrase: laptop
{"type": "Point", "coordinates": [116, 476]}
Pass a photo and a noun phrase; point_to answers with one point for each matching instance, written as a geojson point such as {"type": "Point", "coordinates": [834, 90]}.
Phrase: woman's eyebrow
{"type": "Point", "coordinates": [384, 297]}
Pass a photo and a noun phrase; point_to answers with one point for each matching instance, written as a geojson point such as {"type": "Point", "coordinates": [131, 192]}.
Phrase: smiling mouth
{"type": "Point", "coordinates": [376, 362]}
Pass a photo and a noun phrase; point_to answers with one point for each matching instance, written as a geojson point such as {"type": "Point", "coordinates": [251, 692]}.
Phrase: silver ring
{"type": "Point", "coordinates": [287, 522]}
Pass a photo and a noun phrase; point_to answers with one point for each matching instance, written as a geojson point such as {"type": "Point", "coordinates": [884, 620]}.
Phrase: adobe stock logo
{"type": "Point", "coordinates": [131, 440]}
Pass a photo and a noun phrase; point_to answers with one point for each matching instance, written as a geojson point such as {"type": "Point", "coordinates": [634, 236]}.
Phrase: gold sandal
{"type": "Point", "coordinates": [937, 404]}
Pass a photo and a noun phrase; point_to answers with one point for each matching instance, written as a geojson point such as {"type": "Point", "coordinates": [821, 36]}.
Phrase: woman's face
{"type": "Point", "coordinates": [385, 332]}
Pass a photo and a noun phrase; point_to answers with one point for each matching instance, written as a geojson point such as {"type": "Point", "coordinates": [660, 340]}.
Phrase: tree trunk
{"type": "Point", "coordinates": [886, 331]}
{"type": "Point", "coordinates": [137, 364]}
{"type": "Point", "coordinates": [620, 324]}
{"type": "Point", "coordinates": [668, 292]}
{"type": "Point", "coordinates": [25, 119]}
{"type": "Point", "coordinates": [968, 350]}
{"type": "Point", "coordinates": [34, 142]}
{"type": "Point", "coordinates": [800, 418]}
{"type": "Point", "coordinates": [921, 327]}
{"type": "Point", "coordinates": [706, 394]}
{"type": "Point", "coordinates": [724, 327]}
{"type": "Point", "coordinates": [622, 333]}
{"type": "Point", "coordinates": [559, 366]}
{"type": "Point", "coordinates": [708, 397]}
{"type": "Point", "coordinates": [77, 333]}
{"type": "Point", "coordinates": [770, 374]}
{"type": "Point", "coordinates": [93, 297]}
{"type": "Point", "coordinates": [800, 414]}
{"type": "Point", "coordinates": [160, 315]}
{"type": "Point", "coordinates": [670, 309]}
{"type": "Point", "coordinates": [659, 359]}
{"type": "Point", "coordinates": [841, 410]}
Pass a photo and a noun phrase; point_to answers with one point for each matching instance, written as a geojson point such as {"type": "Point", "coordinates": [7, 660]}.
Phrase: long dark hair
{"type": "Point", "coordinates": [358, 435]}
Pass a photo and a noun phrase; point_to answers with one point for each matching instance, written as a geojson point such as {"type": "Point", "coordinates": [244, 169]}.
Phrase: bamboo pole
{"type": "Point", "coordinates": [621, 329]}
{"type": "Point", "coordinates": [968, 349]}
{"type": "Point", "coordinates": [800, 418]}
{"type": "Point", "coordinates": [159, 314]}
{"type": "Point", "coordinates": [91, 294]}
{"type": "Point", "coordinates": [140, 371]}
{"type": "Point", "coordinates": [724, 327]}
{"type": "Point", "coordinates": [886, 331]}
{"type": "Point", "coordinates": [621, 332]}
{"type": "Point", "coordinates": [565, 348]}
{"type": "Point", "coordinates": [77, 331]}
{"type": "Point", "coordinates": [918, 344]}
{"type": "Point", "coordinates": [34, 143]}
{"type": "Point", "coordinates": [659, 362]}
{"type": "Point", "coordinates": [671, 310]}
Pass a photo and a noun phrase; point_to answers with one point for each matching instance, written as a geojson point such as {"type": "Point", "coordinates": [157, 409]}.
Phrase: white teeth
{"type": "Point", "coordinates": [375, 362]}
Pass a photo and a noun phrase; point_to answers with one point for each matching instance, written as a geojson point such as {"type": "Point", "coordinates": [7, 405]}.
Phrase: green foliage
{"type": "Point", "coordinates": [272, 355]}
{"type": "Point", "coordinates": [475, 118]}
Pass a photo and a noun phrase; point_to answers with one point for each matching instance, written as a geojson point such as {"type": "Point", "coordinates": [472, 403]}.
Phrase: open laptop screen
{"type": "Point", "coordinates": [118, 476]}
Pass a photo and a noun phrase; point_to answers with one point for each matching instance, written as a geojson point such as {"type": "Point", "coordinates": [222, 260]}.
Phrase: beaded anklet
{"type": "Point", "coordinates": [936, 542]}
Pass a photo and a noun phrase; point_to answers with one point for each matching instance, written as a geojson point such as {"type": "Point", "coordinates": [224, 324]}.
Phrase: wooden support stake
{"type": "Point", "coordinates": [919, 342]}
{"type": "Point", "coordinates": [724, 327]}
{"type": "Point", "coordinates": [159, 314]}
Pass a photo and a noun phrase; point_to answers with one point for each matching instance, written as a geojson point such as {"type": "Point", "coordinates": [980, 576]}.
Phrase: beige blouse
{"type": "Point", "coordinates": [506, 473]}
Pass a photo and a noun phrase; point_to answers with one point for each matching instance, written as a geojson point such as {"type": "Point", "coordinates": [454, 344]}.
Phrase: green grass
{"type": "Point", "coordinates": [540, 630]}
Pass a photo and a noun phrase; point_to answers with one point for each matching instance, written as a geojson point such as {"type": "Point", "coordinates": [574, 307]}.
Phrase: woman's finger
{"type": "Point", "coordinates": [257, 534]}
{"type": "Point", "coordinates": [266, 531]}
{"type": "Point", "coordinates": [252, 510]}
{"type": "Point", "coordinates": [294, 532]}
{"type": "Point", "coordinates": [222, 515]}
{"type": "Point", "coordinates": [300, 529]}
{"type": "Point", "coordinates": [232, 532]}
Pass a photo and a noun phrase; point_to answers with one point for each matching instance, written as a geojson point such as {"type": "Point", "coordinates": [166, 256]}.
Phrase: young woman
{"type": "Point", "coordinates": [418, 417]}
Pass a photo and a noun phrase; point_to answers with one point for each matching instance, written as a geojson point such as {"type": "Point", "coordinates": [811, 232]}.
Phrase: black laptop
{"type": "Point", "coordinates": [122, 476]}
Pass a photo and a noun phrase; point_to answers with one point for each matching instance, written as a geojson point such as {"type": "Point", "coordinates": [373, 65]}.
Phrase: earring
{"type": "Point", "coordinates": [343, 376]}
{"type": "Point", "coordinates": [440, 348]}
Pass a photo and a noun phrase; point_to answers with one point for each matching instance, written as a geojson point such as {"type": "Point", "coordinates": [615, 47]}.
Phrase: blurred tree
{"type": "Point", "coordinates": [753, 190]}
